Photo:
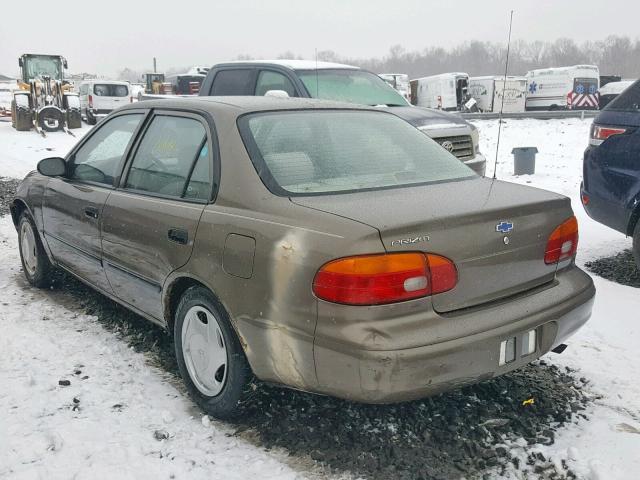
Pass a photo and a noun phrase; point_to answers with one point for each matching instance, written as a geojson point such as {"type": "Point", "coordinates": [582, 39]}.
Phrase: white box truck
{"type": "Point", "coordinates": [489, 91]}
{"type": "Point", "coordinates": [563, 88]}
{"type": "Point", "coordinates": [447, 91]}
{"type": "Point", "coordinates": [399, 81]}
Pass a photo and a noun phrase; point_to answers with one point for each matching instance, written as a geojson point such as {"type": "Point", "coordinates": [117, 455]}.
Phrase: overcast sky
{"type": "Point", "coordinates": [104, 37]}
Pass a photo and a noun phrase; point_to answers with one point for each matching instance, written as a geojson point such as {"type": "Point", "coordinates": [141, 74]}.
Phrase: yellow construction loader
{"type": "Point", "coordinates": [44, 101]}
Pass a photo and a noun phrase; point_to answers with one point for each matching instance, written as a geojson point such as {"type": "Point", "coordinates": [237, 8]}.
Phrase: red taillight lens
{"type": "Point", "coordinates": [384, 278]}
{"type": "Point", "coordinates": [599, 134]}
{"type": "Point", "coordinates": [563, 242]}
{"type": "Point", "coordinates": [90, 101]}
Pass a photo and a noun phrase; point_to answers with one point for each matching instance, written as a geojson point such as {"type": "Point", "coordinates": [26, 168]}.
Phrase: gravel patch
{"type": "Point", "coordinates": [620, 268]}
{"type": "Point", "coordinates": [8, 187]}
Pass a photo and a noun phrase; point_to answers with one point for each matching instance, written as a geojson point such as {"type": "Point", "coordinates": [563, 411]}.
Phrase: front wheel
{"type": "Point", "coordinates": [636, 244]}
{"type": "Point", "coordinates": [35, 263]}
{"type": "Point", "coordinates": [210, 357]}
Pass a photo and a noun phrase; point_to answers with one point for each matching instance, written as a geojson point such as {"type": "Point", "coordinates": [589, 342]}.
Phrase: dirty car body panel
{"type": "Point", "coordinates": [259, 248]}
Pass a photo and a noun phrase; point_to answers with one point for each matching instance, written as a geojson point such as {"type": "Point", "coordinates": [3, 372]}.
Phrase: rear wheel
{"type": "Point", "coordinates": [210, 357]}
{"type": "Point", "coordinates": [636, 244]}
{"type": "Point", "coordinates": [35, 263]}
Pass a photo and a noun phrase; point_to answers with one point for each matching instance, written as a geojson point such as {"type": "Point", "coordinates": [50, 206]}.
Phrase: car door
{"type": "Point", "coordinates": [149, 222]}
{"type": "Point", "coordinates": [72, 205]}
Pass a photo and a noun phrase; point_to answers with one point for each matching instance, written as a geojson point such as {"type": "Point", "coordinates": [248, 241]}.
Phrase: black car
{"type": "Point", "coordinates": [611, 179]}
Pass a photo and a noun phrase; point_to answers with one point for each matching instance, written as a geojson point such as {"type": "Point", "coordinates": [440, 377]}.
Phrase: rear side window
{"type": "Point", "coordinates": [627, 101]}
{"type": "Point", "coordinates": [167, 156]}
{"type": "Point", "coordinates": [329, 151]}
{"type": "Point", "coordinates": [110, 90]}
{"type": "Point", "coordinates": [233, 82]}
{"type": "Point", "coordinates": [268, 80]}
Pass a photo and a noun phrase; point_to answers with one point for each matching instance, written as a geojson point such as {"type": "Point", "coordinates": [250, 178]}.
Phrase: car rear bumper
{"type": "Point", "coordinates": [612, 214]}
{"type": "Point", "coordinates": [385, 376]}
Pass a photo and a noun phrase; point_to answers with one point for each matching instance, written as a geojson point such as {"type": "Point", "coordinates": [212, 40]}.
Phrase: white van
{"type": "Point", "coordinates": [489, 91]}
{"type": "Point", "coordinates": [99, 97]}
{"type": "Point", "coordinates": [563, 88]}
{"type": "Point", "coordinates": [448, 91]}
{"type": "Point", "coordinates": [399, 81]}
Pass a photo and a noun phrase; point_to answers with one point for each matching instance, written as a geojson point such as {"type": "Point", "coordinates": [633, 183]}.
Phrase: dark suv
{"type": "Point", "coordinates": [611, 184]}
{"type": "Point", "coordinates": [344, 83]}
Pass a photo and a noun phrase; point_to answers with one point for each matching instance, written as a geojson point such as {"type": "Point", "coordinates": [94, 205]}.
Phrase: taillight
{"type": "Point", "coordinates": [384, 278]}
{"type": "Point", "coordinates": [563, 242]}
{"type": "Point", "coordinates": [90, 101]}
{"type": "Point", "coordinates": [600, 134]}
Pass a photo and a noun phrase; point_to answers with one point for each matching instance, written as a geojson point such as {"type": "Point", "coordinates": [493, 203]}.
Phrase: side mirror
{"type": "Point", "coordinates": [64, 64]}
{"type": "Point", "coordinates": [276, 93]}
{"type": "Point", "coordinates": [20, 62]}
{"type": "Point", "coordinates": [52, 167]}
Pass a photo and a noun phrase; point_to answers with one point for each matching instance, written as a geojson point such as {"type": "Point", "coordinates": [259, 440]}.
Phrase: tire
{"type": "Point", "coordinates": [23, 120]}
{"type": "Point", "coordinates": [636, 244]}
{"type": "Point", "coordinates": [218, 390]}
{"type": "Point", "coordinates": [50, 114]}
{"type": "Point", "coordinates": [13, 113]}
{"type": "Point", "coordinates": [90, 120]}
{"type": "Point", "coordinates": [74, 119]}
{"type": "Point", "coordinates": [35, 263]}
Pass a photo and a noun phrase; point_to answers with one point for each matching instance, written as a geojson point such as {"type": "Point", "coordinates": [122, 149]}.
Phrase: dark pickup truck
{"type": "Point", "coordinates": [333, 81]}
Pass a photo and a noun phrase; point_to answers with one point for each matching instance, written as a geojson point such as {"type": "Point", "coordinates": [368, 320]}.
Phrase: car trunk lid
{"type": "Point", "coordinates": [495, 232]}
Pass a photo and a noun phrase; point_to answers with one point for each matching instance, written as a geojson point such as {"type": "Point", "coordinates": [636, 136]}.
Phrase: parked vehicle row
{"type": "Point", "coordinates": [325, 246]}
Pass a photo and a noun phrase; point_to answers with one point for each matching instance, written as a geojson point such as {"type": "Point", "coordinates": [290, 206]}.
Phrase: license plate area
{"type": "Point", "coordinates": [519, 346]}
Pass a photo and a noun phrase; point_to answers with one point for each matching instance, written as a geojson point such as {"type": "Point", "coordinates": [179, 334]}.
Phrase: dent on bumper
{"type": "Point", "coordinates": [379, 376]}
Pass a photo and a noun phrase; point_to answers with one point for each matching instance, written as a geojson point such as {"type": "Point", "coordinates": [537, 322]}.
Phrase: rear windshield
{"type": "Point", "coordinates": [110, 90]}
{"type": "Point", "coordinates": [316, 152]}
{"type": "Point", "coordinates": [627, 101]}
{"type": "Point", "coordinates": [352, 86]}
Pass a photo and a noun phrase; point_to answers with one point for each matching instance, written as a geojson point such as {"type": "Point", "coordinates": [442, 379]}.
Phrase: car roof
{"type": "Point", "coordinates": [245, 104]}
{"type": "Point", "coordinates": [294, 64]}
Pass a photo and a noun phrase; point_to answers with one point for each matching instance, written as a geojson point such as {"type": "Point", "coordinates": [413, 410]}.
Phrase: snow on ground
{"type": "Point", "coordinates": [103, 425]}
{"type": "Point", "coordinates": [44, 342]}
{"type": "Point", "coordinates": [606, 350]}
{"type": "Point", "coordinates": [20, 152]}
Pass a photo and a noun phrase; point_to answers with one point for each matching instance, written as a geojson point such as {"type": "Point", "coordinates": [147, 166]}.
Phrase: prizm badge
{"type": "Point", "coordinates": [410, 241]}
{"type": "Point", "coordinates": [504, 227]}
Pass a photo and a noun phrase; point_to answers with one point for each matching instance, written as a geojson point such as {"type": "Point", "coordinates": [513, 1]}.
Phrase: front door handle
{"type": "Point", "coordinates": [91, 212]}
{"type": "Point", "coordinates": [178, 235]}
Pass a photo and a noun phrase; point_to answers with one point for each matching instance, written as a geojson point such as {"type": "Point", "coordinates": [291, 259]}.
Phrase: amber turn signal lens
{"type": "Point", "coordinates": [563, 242]}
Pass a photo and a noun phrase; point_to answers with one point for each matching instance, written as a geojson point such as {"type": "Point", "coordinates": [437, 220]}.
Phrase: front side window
{"type": "Point", "coordinates": [233, 82]}
{"type": "Point", "coordinates": [352, 86]}
{"type": "Point", "coordinates": [320, 152]}
{"type": "Point", "coordinates": [268, 80]}
{"type": "Point", "coordinates": [170, 151]}
{"type": "Point", "coordinates": [98, 158]}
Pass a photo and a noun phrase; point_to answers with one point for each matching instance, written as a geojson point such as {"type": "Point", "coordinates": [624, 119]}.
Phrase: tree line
{"type": "Point", "coordinates": [615, 55]}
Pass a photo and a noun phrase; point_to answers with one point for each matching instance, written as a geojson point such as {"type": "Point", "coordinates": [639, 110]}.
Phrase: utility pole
{"type": "Point", "coordinates": [154, 65]}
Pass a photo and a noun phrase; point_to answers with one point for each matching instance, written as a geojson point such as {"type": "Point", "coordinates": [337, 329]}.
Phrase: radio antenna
{"type": "Point", "coordinates": [317, 81]}
{"type": "Point", "coordinates": [504, 86]}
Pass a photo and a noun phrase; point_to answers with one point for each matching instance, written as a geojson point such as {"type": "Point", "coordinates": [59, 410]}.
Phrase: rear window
{"type": "Point", "coordinates": [627, 101]}
{"type": "Point", "coordinates": [316, 152]}
{"type": "Point", "coordinates": [110, 90]}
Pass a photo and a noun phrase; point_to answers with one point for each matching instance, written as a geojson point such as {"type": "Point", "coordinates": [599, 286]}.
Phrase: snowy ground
{"type": "Point", "coordinates": [104, 426]}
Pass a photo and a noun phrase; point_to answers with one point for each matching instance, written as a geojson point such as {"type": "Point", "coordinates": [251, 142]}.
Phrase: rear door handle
{"type": "Point", "coordinates": [91, 212]}
{"type": "Point", "coordinates": [178, 235]}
